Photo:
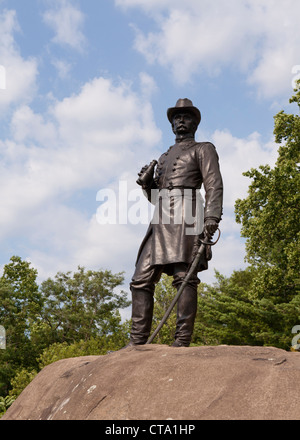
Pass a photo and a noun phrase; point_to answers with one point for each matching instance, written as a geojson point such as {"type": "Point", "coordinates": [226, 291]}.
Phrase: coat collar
{"type": "Point", "coordinates": [185, 144]}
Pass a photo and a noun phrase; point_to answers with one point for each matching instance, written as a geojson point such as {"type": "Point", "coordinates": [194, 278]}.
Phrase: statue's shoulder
{"type": "Point", "coordinates": [206, 151]}
{"type": "Point", "coordinates": [204, 146]}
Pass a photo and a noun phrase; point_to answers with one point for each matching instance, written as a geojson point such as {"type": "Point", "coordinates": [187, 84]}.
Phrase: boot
{"type": "Point", "coordinates": [141, 315]}
{"type": "Point", "coordinates": [186, 314]}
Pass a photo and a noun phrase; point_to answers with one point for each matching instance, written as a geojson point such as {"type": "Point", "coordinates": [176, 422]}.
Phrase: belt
{"type": "Point", "coordinates": [170, 187]}
{"type": "Point", "coordinates": [187, 193]}
{"type": "Point", "coordinates": [183, 190]}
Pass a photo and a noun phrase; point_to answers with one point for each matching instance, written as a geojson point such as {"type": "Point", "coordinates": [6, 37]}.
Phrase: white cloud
{"type": "Point", "coordinates": [106, 132]}
{"type": "Point", "coordinates": [63, 68]}
{"type": "Point", "coordinates": [83, 143]}
{"type": "Point", "coordinates": [25, 125]}
{"type": "Point", "coordinates": [148, 85]}
{"type": "Point", "coordinates": [258, 38]}
{"type": "Point", "coordinates": [103, 111]}
{"type": "Point", "coordinates": [228, 255]}
{"type": "Point", "coordinates": [67, 21]}
{"type": "Point", "coordinates": [20, 74]}
{"type": "Point", "coordinates": [87, 142]}
{"type": "Point", "coordinates": [238, 156]}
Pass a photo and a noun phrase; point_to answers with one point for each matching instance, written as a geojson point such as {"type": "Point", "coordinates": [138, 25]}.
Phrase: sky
{"type": "Point", "coordinates": [84, 90]}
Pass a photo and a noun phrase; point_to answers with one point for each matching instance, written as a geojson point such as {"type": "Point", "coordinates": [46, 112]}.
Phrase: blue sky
{"type": "Point", "coordinates": [88, 84]}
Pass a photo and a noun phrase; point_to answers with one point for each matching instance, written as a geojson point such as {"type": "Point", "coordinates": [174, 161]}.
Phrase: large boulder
{"type": "Point", "coordinates": [157, 382]}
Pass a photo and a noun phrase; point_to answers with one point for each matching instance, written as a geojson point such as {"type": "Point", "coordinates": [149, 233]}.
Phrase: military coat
{"type": "Point", "coordinates": [179, 211]}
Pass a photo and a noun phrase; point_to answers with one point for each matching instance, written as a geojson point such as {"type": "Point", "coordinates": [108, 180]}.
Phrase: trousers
{"type": "Point", "coordinates": [142, 288]}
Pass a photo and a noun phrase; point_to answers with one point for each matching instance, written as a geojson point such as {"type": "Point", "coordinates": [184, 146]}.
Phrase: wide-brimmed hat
{"type": "Point", "coordinates": [184, 104]}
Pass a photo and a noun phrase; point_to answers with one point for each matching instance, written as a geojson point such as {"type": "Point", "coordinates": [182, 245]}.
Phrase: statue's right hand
{"type": "Point", "coordinates": [143, 170]}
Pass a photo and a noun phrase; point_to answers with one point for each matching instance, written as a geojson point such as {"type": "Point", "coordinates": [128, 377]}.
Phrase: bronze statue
{"type": "Point", "coordinates": [169, 246]}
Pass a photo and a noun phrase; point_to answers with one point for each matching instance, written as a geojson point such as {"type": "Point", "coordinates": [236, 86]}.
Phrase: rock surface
{"type": "Point", "coordinates": [157, 382]}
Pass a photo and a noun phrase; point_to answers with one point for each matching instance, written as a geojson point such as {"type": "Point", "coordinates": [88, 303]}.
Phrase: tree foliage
{"type": "Point", "coordinates": [270, 214]}
{"type": "Point", "coordinates": [82, 305]}
{"type": "Point", "coordinates": [270, 222]}
{"type": "Point", "coordinates": [164, 294]}
{"type": "Point", "coordinates": [20, 303]}
{"type": "Point", "coordinates": [230, 312]}
{"type": "Point", "coordinates": [5, 403]}
{"type": "Point", "coordinates": [72, 313]}
{"type": "Point", "coordinates": [226, 314]}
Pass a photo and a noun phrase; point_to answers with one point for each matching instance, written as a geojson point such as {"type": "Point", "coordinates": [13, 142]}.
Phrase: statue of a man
{"type": "Point", "coordinates": [169, 246]}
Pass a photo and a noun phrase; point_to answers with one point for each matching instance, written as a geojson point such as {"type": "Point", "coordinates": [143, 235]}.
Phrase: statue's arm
{"type": "Point", "coordinates": [148, 184]}
{"type": "Point", "coordinates": [151, 192]}
{"type": "Point", "coordinates": [213, 185]}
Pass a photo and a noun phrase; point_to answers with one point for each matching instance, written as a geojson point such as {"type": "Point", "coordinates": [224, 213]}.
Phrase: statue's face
{"type": "Point", "coordinates": [184, 123]}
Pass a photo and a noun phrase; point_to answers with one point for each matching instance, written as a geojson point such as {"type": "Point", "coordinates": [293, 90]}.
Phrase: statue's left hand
{"type": "Point", "coordinates": [210, 227]}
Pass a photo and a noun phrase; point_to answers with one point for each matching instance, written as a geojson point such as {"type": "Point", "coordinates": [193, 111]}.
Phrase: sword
{"type": "Point", "coordinates": [190, 272]}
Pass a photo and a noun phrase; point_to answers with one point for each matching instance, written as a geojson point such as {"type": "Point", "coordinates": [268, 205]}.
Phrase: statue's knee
{"type": "Point", "coordinates": [142, 285]}
{"type": "Point", "coordinates": [193, 281]}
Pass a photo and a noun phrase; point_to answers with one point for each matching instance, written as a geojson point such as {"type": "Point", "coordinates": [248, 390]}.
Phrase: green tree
{"type": "Point", "coordinates": [230, 313]}
{"type": "Point", "coordinates": [226, 314]}
{"type": "Point", "coordinates": [20, 304]}
{"type": "Point", "coordinates": [270, 223]}
{"type": "Point", "coordinates": [80, 306]}
{"type": "Point", "coordinates": [81, 309]}
{"type": "Point", "coordinates": [5, 403]}
{"type": "Point", "coordinates": [20, 382]}
{"type": "Point", "coordinates": [164, 294]}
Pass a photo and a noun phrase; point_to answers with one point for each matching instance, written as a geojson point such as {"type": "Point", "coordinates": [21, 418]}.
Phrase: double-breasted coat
{"type": "Point", "coordinates": [179, 212]}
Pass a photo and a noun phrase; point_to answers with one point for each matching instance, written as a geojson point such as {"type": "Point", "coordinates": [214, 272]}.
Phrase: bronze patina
{"type": "Point", "coordinates": [176, 230]}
